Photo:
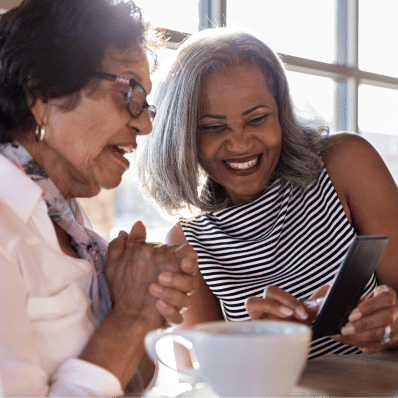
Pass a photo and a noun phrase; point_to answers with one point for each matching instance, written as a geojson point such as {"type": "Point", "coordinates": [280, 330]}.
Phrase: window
{"type": "Point", "coordinates": [341, 62]}
{"type": "Point", "coordinates": [378, 38]}
{"type": "Point", "coordinates": [341, 65]}
{"type": "Point", "coordinates": [312, 21]}
{"type": "Point", "coordinates": [377, 122]}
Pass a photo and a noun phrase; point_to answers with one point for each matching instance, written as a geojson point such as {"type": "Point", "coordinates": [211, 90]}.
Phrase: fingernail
{"type": "Point", "coordinates": [312, 303]}
{"type": "Point", "coordinates": [348, 330]}
{"type": "Point", "coordinates": [186, 265]}
{"type": "Point", "coordinates": [355, 315]}
{"type": "Point", "coordinates": [162, 304]}
{"type": "Point", "coordinates": [155, 289]}
{"type": "Point", "coordinates": [120, 233]}
{"type": "Point", "coordinates": [165, 278]}
{"type": "Point", "coordinates": [286, 311]}
{"type": "Point", "coordinates": [301, 313]}
{"type": "Point", "coordinates": [366, 350]}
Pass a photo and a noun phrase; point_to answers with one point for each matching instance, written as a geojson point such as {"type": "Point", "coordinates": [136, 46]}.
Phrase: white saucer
{"type": "Point", "coordinates": [186, 390]}
{"type": "Point", "coordinates": [199, 390]}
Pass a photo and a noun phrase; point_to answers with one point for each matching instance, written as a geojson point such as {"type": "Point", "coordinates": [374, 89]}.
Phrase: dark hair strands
{"type": "Point", "coordinates": [49, 48]}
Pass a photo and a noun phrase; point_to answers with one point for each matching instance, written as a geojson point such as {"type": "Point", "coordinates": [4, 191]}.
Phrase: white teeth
{"type": "Point", "coordinates": [244, 165]}
{"type": "Point", "coordinates": [125, 149]}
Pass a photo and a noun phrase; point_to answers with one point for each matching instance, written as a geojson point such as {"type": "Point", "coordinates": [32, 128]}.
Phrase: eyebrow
{"type": "Point", "coordinates": [243, 113]}
{"type": "Point", "coordinates": [137, 78]}
{"type": "Point", "coordinates": [133, 76]}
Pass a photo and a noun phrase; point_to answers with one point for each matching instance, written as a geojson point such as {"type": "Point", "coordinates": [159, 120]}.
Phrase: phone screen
{"type": "Point", "coordinates": [348, 286]}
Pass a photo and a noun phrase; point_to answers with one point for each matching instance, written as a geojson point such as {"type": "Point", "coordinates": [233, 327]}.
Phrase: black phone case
{"type": "Point", "coordinates": [348, 286]}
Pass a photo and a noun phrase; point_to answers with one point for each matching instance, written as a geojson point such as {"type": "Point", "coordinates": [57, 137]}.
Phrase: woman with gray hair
{"type": "Point", "coordinates": [279, 201]}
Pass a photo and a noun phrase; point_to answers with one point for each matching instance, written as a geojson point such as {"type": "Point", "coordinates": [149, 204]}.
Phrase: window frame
{"type": "Point", "coordinates": [344, 71]}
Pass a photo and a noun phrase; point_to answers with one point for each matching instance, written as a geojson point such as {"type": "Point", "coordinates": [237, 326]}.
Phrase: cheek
{"type": "Point", "coordinates": [273, 138]}
{"type": "Point", "coordinates": [208, 147]}
{"type": "Point", "coordinates": [275, 142]}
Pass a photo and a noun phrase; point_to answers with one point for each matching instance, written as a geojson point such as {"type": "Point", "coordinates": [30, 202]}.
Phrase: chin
{"type": "Point", "coordinates": [110, 183]}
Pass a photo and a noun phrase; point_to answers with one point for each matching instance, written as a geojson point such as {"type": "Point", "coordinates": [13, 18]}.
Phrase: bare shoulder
{"type": "Point", "coordinates": [351, 161]}
{"type": "Point", "coordinates": [368, 193]}
{"type": "Point", "coordinates": [348, 149]}
{"type": "Point", "coordinates": [175, 236]}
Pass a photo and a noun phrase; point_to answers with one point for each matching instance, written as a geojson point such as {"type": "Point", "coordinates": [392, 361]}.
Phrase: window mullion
{"type": "Point", "coordinates": [346, 114]}
{"type": "Point", "coordinates": [212, 13]}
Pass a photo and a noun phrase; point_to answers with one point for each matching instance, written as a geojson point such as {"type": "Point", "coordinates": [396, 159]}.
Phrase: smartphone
{"type": "Point", "coordinates": [348, 285]}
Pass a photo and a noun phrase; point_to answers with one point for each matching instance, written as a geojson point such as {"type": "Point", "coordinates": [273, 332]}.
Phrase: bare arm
{"type": "Point", "coordinates": [368, 194]}
{"type": "Point", "coordinates": [205, 307]}
{"type": "Point", "coordinates": [369, 197]}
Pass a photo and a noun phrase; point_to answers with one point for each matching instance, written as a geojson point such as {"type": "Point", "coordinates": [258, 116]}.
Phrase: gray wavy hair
{"type": "Point", "coordinates": [169, 168]}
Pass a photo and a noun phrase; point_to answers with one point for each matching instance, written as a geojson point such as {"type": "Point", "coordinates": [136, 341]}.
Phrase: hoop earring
{"type": "Point", "coordinates": [39, 133]}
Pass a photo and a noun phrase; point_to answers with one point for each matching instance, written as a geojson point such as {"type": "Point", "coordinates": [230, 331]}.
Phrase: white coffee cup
{"type": "Point", "coordinates": [251, 358]}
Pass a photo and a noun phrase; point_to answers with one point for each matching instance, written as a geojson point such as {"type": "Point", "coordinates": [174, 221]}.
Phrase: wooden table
{"type": "Point", "coordinates": [352, 375]}
{"type": "Point", "coordinates": [333, 376]}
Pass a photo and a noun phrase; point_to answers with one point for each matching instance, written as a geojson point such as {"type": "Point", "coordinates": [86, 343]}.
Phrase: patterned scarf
{"type": "Point", "coordinates": [86, 243]}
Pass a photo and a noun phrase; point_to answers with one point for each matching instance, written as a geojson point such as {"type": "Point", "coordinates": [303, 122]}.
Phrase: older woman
{"type": "Point", "coordinates": [74, 77]}
{"type": "Point", "coordinates": [279, 201]}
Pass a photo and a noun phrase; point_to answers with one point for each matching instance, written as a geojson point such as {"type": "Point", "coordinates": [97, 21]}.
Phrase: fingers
{"type": "Point", "coordinates": [173, 294]}
{"type": "Point", "coordinates": [381, 318]}
{"type": "Point", "coordinates": [170, 296]}
{"type": "Point", "coordinates": [276, 303]}
{"type": "Point", "coordinates": [286, 300]}
{"type": "Point", "coordinates": [188, 259]}
{"type": "Point", "coordinates": [169, 313]}
{"type": "Point", "coordinates": [178, 281]}
{"type": "Point", "coordinates": [138, 233]}
{"type": "Point", "coordinates": [382, 297]}
{"type": "Point", "coordinates": [259, 308]}
{"type": "Point", "coordinates": [367, 322]}
{"type": "Point", "coordinates": [321, 292]}
{"type": "Point", "coordinates": [369, 341]}
{"type": "Point", "coordinates": [117, 246]}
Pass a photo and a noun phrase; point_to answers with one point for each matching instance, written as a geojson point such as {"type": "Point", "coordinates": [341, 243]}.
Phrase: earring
{"type": "Point", "coordinates": [39, 133]}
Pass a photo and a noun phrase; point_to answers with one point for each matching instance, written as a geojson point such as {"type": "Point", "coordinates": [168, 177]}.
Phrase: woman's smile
{"type": "Point", "coordinates": [240, 137]}
{"type": "Point", "coordinates": [244, 166]}
{"type": "Point", "coordinates": [119, 152]}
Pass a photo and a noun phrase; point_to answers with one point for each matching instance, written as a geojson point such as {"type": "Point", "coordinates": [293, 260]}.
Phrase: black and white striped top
{"type": "Point", "coordinates": [287, 237]}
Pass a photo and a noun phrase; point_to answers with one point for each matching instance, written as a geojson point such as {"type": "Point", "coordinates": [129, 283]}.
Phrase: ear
{"type": "Point", "coordinates": [40, 110]}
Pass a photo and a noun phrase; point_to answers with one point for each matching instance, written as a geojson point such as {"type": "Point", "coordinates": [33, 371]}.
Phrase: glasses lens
{"type": "Point", "coordinates": [151, 112]}
{"type": "Point", "coordinates": [137, 102]}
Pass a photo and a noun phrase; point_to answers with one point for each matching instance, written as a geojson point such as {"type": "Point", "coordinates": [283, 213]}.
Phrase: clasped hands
{"type": "Point", "coordinates": [372, 325]}
{"type": "Point", "coordinates": [150, 281]}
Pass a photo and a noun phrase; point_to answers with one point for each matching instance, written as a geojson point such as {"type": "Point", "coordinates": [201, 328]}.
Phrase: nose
{"type": "Point", "coordinates": [239, 140]}
{"type": "Point", "coordinates": [142, 124]}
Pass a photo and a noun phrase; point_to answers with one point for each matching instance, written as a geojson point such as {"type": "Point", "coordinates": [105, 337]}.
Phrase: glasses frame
{"type": "Point", "coordinates": [133, 84]}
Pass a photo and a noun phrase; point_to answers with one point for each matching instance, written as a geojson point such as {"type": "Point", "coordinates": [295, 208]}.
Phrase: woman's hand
{"type": "Point", "coordinates": [368, 321]}
{"type": "Point", "coordinates": [149, 280]}
{"type": "Point", "coordinates": [276, 304]}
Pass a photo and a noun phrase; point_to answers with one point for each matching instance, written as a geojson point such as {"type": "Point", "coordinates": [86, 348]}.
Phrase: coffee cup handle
{"type": "Point", "coordinates": [151, 341]}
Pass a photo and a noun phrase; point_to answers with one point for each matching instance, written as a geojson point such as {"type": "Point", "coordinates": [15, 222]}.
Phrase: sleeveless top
{"type": "Point", "coordinates": [288, 237]}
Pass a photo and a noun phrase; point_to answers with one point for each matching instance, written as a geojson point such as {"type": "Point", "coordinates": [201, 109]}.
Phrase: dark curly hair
{"type": "Point", "coordinates": [49, 48]}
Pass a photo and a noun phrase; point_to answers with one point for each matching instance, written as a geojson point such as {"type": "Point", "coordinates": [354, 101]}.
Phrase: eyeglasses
{"type": "Point", "coordinates": [136, 96]}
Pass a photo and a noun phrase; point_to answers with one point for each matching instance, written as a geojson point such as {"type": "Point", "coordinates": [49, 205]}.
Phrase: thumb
{"type": "Point", "coordinates": [138, 233]}
{"type": "Point", "coordinates": [117, 246]}
{"type": "Point", "coordinates": [321, 292]}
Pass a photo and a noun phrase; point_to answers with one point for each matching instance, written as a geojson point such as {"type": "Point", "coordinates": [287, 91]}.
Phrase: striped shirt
{"type": "Point", "coordinates": [288, 237]}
